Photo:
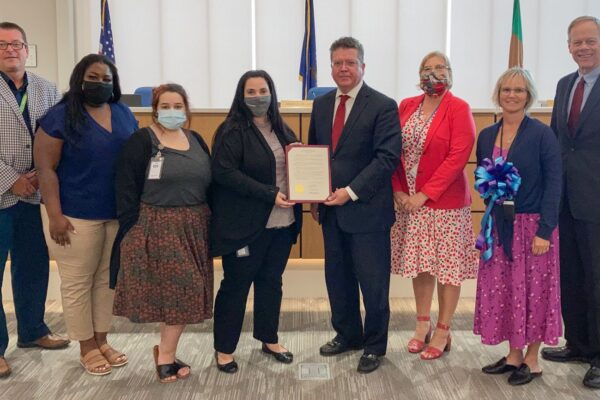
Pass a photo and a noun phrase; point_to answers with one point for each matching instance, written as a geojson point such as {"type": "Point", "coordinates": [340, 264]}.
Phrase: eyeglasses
{"type": "Point", "coordinates": [437, 68]}
{"type": "Point", "coordinates": [518, 91]}
{"type": "Point", "coordinates": [15, 45]}
{"type": "Point", "coordinates": [347, 63]}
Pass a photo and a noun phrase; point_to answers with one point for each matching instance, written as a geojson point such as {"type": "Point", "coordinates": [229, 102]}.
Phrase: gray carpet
{"type": "Point", "coordinates": [304, 327]}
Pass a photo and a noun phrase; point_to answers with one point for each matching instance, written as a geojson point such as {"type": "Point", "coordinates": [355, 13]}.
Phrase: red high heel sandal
{"type": "Point", "coordinates": [432, 353]}
{"type": "Point", "coordinates": [416, 345]}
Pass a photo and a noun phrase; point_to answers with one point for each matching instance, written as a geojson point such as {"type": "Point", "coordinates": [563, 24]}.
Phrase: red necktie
{"type": "Point", "coordinates": [338, 121]}
{"type": "Point", "coordinates": [576, 107]}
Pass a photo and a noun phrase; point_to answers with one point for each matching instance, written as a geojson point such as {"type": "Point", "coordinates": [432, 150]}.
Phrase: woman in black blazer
{"type": "Point", "coordinates": [253, 224]}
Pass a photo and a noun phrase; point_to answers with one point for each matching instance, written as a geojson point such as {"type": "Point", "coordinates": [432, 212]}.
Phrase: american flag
{"type": "Point", "coordinates": [107, 47]}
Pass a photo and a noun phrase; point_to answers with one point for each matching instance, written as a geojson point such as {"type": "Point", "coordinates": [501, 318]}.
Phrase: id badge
{"type": "Point", "coordinates": [156, 164]}
{"type": "Point", "coordinates": [243, 252]}
{"type": "Point", "coordinates": [509, 209]}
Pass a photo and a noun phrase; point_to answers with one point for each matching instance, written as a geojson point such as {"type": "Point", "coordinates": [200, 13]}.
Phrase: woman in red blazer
{"type": "Point", "coordinates": [432, 239]}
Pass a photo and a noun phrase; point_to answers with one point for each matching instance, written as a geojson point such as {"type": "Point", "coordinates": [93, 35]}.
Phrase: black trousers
{"type": "Point", "coordinates": [264, 267]}
{"type": "Point", "coordinates": [580, 283]}
{"type": "Point", "coordinates": [353, 261]}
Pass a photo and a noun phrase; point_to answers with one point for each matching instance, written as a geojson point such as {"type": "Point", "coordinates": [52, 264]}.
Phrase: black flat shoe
{"type": "Point", "coordinates": [592, 378]}
{"type": "Point", "coordinates": [180, 364]}
{"type": "Point", "coordinates": [499, 367]}
{"type": "Point", "coordinates": [522, 375]}
{"type": "Point", "coordinates": [335, 347]}
{"type": "Point", "coordinates": [284, 357]}
{"type": "Point", "coordinates": [165, 372]}
{"type": "Point", "coordinates": [563, 354]}
{"type": "Point", "coordinates": [368, 363]}
{"type": "Point", "coordinates": [229, 368]}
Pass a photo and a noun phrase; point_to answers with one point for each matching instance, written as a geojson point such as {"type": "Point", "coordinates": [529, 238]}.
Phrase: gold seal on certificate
{"type": "Point", "coordinates": [309, 179]}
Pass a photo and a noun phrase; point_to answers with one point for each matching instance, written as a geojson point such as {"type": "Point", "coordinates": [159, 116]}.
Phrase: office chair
{"type": "Point", "coordinates": [318, 91]}
{"type": "Point", "coordinates": [146, 93]}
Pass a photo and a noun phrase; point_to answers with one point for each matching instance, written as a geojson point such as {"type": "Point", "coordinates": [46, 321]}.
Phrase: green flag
{"type": "Point", "coordinates": [515, 56]}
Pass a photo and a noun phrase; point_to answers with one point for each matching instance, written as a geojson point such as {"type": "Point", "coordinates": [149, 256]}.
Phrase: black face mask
{"type": "Point", "coordinates": [97, 93]}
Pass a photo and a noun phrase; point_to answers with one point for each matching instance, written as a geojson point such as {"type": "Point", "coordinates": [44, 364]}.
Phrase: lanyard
{"type": "Point", "coordinates": [23, 103]}
{"type": "Point", "coordinates": [501, 140]}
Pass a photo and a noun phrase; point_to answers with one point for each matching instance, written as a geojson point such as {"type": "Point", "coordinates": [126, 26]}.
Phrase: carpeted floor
{"type": "Point", "coordinates": [304, 328]}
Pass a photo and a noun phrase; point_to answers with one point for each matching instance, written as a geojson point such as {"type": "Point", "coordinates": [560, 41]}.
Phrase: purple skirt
{"type": "Point", "coordinates": [519, 300]}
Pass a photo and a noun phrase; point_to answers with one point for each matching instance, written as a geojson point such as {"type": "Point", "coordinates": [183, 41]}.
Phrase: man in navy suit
{"type": "Point", "coordinates": [576, 121]}
{"type": "Point", "coordinates": [362, 128]}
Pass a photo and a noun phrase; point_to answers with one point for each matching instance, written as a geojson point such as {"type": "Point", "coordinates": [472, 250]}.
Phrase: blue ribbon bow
{"type": "Point", "coordinates": [496, 182]}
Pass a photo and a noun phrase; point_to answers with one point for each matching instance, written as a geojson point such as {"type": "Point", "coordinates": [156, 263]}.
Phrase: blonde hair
{"type": "Point", "coordinates": [512, 73]}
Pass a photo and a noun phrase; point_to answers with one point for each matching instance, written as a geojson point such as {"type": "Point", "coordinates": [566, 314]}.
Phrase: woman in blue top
{"type": "Point", "coordinates": [518, 292]}
{"type": "Point", "coordinates": [75, 151]}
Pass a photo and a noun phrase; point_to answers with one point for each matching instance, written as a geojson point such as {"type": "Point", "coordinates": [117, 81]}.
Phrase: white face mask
{"type": "Point", "coordinates": [172, 119]}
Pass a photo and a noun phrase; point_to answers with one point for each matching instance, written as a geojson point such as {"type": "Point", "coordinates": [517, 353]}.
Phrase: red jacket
{"type": "Point", "coordinates": [448, 144]}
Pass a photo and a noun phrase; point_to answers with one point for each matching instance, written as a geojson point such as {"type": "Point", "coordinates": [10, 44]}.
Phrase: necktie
{"type": "Point", "coordinates": [576, 107]}
{"type": "Point", "coordinates": [338, 121]}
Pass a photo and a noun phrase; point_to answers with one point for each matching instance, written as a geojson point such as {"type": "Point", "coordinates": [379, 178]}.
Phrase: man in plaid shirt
{"type": "Point", "coordinates": [24, 97]}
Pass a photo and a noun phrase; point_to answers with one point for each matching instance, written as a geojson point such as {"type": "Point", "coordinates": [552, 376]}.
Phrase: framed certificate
{"type": "Point", "coordinates": [309, 173]}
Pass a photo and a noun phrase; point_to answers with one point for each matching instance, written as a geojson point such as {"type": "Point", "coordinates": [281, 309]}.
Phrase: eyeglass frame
{"type": "Point", "coordinates": [436, 68]}
{"type": "Point", "coordinates": [21, 45]}
{"type": "Point", "coordinates": [347, 63]}
{"type": "Point", "coordinates": [517, 91]}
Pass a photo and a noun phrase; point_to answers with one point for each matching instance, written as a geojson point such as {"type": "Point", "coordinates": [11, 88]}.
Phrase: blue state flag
{"type": "Point", "coordinates": [107, 47]}
{"type": "Point", "coordinates": [308, 62]}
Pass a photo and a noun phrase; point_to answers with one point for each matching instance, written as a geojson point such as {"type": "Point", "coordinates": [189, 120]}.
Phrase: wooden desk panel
{"type": "Point", "coordinates": [305, 122]}
{"type": "Point", "coordinates": [544, 117]}
{"type": "Point", "coordinates": [481, 121]}
{"type": "Point", "coordinates": [293, 121]}
{"type": "Point", "coordinates": [144, 119]}
{"type": "Point", "coordinates": [477, 204]}
{"type": "Point", "coordinates": [295, 253]}
{"type": "Point", "coordinates": [206, 124]}
{"type": "Point", "coordinates": [312, 238]}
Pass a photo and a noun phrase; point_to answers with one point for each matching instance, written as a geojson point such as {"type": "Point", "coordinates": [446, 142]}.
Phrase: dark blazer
{"type": "Point", "coordinates": [535, 153]}
{"type": "Point", "coordinates": [129, 184]}
{"type": "Point", "coordinates": [580, 153]}
{"type": "Point", "coordinates": [244, 188]}
{"type": "Point", "coordinates": [367, 154]}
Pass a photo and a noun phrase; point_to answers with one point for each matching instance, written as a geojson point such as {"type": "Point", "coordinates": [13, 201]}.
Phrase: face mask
{"type": "Point", "coordinates": [433, 86]}
{"type": "Point", "coordinates": [97, 93]}
{"type": "Point", "coordinates": [171, 119]}
{"type": "Point", "coordinates": [258, 105]}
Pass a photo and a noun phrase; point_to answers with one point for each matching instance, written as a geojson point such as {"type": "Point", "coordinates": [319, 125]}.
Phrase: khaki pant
{"type": "Point", "coordinates": [84, 273]}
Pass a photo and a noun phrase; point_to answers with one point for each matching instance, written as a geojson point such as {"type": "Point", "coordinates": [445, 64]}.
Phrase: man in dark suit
{"type": "Point", "coordinates": [576, 121]}
{"type": "Point", "coordinates": [362, 128]}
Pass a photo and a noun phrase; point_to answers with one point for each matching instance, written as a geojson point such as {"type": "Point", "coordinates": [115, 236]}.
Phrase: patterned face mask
{"type": "Point", "coordinates": [432, 85]}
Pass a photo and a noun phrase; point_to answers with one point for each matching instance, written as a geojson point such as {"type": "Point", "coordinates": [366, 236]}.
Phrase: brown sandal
{"type": "Point", "coordinates": [113, 356]}
{"type": "Point", "coordinates": [4, 368]}
{"type": "Point", "coordinates": [93, 360]}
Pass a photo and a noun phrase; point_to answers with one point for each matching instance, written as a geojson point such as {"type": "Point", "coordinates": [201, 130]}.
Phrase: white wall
{"type": "Point", "coordinates": [207, 44]}
{"type": "Point", "coordinates": [38, 19]}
